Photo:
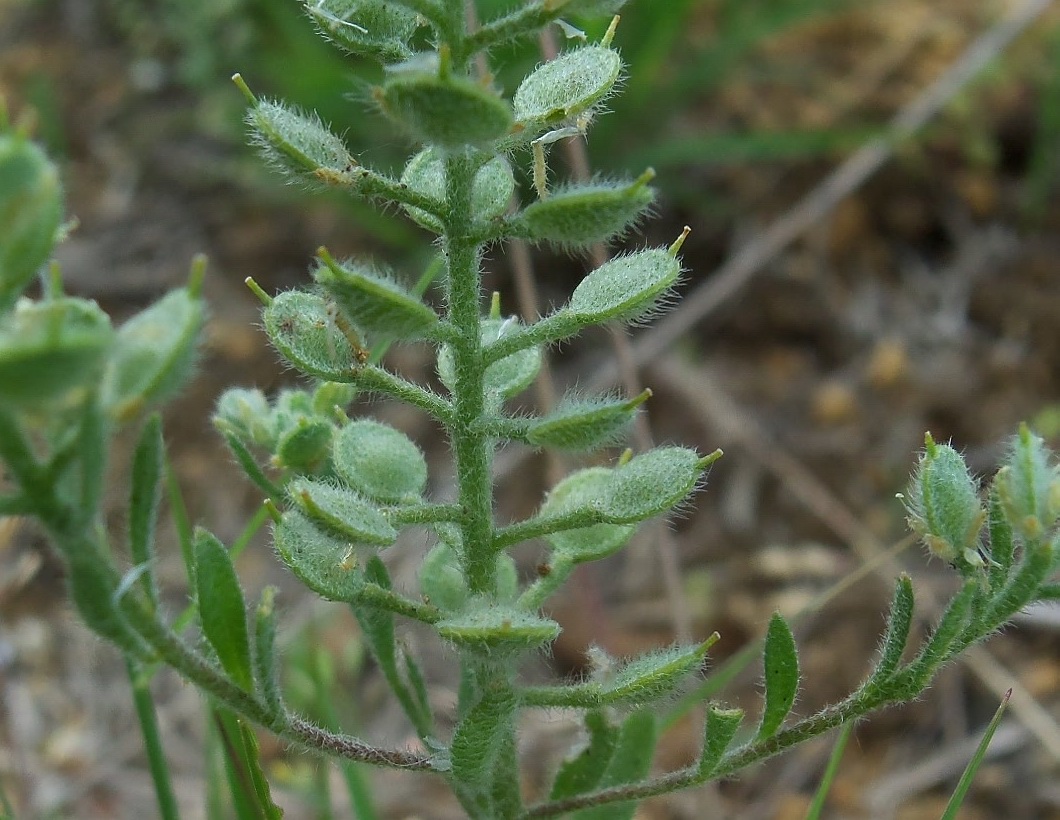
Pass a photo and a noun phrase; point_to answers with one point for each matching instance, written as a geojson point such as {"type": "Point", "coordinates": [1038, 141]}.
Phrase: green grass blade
{"type": "Point", "coordinates": [156, 758]}
{"type": "Point", "coordinates": [954, 806]}
{"type": "Point", "coordinates": [821, 796]}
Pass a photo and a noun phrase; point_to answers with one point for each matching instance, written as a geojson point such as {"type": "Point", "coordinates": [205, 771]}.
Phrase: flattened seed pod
{"type": "Point", "coordinates": [451, 112]}
{"type": "Point", "coordinates": [492, 188]}
{"type": "Point", "coordinates": [379, 461]}
{"type": "Point", "coordinates": [583, 490]}
{"type": "Point", "coordinates": [566, 86]}
{"type": "Point", "coordinates": [303, 328]}
{"type": "Point", "coordinates": [651, 483]}
{"type": "Point", "coordinates": [341, 512]}
{"type": "Point", "coordinates": [507, 377]}
{"type": "Point", "coordinates": [498, 631]}
{"type": "Point", "coordinates": [627, 287]}
{"type": "Point", "coordinates": [323, 563]}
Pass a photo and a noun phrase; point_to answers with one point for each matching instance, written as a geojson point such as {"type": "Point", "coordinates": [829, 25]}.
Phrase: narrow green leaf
{"type": "Point", "coordinates": [251, 468]}
{"type": "Point", "coordinates": [144, 498]}
{"type": "Point", "coordinates": [222, 611]}
{"type": "Point", "coordinates": [630, 763]}
{"type": "Point", "coordinates": [582, 772]}
{"type": "Point", "coordinates": [251, 796]}
{"type": "Point", "coordinates": [720, 729]}
{"type": "Point", "coordinates": [266, 665]}
{"type": "Point", "coordinates": [378, 628]}
{"type": "Point", "coordinates": [936, 650]}
{"type": "Point", "coordinates": [821, 795]}
{"type": "Point", "coordinates": [781, 676]}
{"type": "Point", "coordinates": [899, 622]}
{"type": "Point", "coordinates": [957, 798]}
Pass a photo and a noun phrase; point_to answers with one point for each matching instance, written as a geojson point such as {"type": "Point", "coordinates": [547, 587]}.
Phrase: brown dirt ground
{"type": "Point", "coordinates": [926, 300]}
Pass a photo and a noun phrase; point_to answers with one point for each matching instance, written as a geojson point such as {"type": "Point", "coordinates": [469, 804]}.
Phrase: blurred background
{"type": "Point", "coordinates": [871, 188]}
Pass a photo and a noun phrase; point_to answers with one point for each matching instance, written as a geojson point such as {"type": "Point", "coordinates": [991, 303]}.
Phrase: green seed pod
{"type": "Point", "coordinates": [943, 506]}
{"type": "Point", "coordinates": [31, 207]}
{"type": "Point", "coordinates": [441, 581]}
{"type": "Point", "coordinates": [371, 28]}
{"type": "Point", "coordinates": [497, 631]}
{"type": "Point", "coordinates": [451, 113]}
{"type": "Point", "coordinates": [371, 299]}
{"type": "Point", "coordinates": [325, 564]}
{"type": "Point", "coordinates": [626, 288]}
{"type": "Point", "coordinates": [380, 462]}
{"type": "Point", "coordinates": [585, 423]}
{"type": "Point", "coordinates": [567, 86]}
{"type": "Point", "coordinates": [305, 446]}
{"type": "Point", "coordinates": [656, 674]}
{"type": "Point", "coordinates": [50, 348]}
{"type": "Point", "coordinates": [505, 378]}
{"type": "Point", "coordinates": [298, 144]}
{"type": "Point", "coordinates": [582, 215]}
{"type": "Point", "coordinates": [341, 512]}
{"type": "Point", "coordinates": [493, 187]}
{"type": "Point", "coordinates": [154, 354]}
{"type": "Point", "coordinates": [651, 483]}
{"type": "Point", "coordinates": [304, 328]}
{"type": "Point", "coordinates": [246, 415]}
{"type": "Point", "coordinates": [583, 490]}
{"type": "Point", "coordinates": [1028, 485]}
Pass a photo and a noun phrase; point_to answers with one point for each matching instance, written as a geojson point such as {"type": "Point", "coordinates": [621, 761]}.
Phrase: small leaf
{"type": "Point", "coordinates": [582, 215]}
{"type": "Point", "coordinates": [372, 299]}
{"type": "Point", "coordinates": [626, 288]}
{"type": "Point", "coordinates": [31, 208]}
{"type": "Point", "coordinates": [379, 461]}
{"type": "Point", "coordinates": [451, 113]}
{"type": "Point", "coordinates": [341, 512]}
{"type": "Point", "coordinates": [303, 328]}
{"type": "Point", "coordinates": [491, 190]}
{"type": "Point", "coordinates": [145, 495]}
{"type": "Point", "coordinates": [781, 676]}
{"type": "Point", "coordinates": [222, 611]}
{"type": "Point", "coordinates": [582, 772]}
{"type": "Point", "coordinates": [720, 729]}
{"type": "Point", "coordinates": [93, 586]}
{"type": "Point", "coordinates": [630, 763]}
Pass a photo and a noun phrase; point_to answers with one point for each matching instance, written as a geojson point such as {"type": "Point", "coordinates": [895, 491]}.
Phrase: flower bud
{"type": "Point", "coordinates": [1029, 485]}
{"type": "Point", "coordinates": [943, 506]}
{"type": "Point", "coordinates": [246, 415]}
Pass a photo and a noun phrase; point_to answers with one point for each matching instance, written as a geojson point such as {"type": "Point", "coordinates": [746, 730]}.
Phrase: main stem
{"type": "Point", "coordinates": [472, 447]}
